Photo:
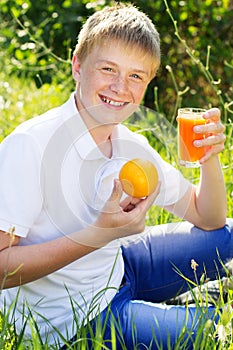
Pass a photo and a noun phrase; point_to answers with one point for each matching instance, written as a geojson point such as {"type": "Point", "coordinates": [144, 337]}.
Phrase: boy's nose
{"type": "Point", "coordinates": [119, 84]}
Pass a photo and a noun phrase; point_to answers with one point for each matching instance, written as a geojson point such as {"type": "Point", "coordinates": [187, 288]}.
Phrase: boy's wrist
{"type": "Point", "coordinates": [93, 237]}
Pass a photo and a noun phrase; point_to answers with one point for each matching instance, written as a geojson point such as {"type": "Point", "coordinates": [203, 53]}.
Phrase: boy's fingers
{"type": "Point", "coordinates": [151, 198]}
{"type": "Point", "coordinates": [213, 113]}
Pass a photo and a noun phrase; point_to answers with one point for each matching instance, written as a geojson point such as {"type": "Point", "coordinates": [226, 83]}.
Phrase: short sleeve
{"type": "Point", "coordinates": [173, 185]}
{"type": "Point", "coordinates": [20, 194]}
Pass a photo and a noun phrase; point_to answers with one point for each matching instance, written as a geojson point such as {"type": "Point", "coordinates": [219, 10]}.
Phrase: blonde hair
{"type": "Point", "coordinates": [122, 22]}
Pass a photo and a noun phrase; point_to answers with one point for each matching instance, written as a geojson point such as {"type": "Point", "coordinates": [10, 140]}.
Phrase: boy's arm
{"type": "Point", "coordinates": [23, 264]}
{"type": "Point", "coordinates": [204, 205]}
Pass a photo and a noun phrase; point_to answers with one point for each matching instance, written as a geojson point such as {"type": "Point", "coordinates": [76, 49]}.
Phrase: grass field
{"type": "Point", "coordinates": [20, 100]}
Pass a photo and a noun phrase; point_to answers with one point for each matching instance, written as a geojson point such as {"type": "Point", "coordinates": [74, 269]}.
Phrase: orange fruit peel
{"type": "Point", "coordinates": [139, 177]}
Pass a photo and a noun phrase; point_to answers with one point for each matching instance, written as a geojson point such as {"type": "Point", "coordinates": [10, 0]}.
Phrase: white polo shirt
{"type": "Point", "coordinates": [54, 181]}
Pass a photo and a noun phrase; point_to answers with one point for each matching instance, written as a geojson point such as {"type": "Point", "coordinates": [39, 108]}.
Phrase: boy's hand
{"type": "Point", "coordinates": [129, 203]}
{"type": "Point", "coordinates": [119, 219]}
{"type": "Point", "coordinates": [214, 129]}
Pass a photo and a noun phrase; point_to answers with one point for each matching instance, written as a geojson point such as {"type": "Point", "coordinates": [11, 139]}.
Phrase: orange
{"type": "Point", "coordinates": [138, 177]}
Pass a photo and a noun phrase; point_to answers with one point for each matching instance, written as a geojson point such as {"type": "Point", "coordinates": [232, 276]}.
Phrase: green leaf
{"type": "Point", "coordinates": [193, 30]}
{"type": "Point", "coordinates": [19, 54]}
{"type": "Point", "coordinates": [15, 12]}
{"type": "Point", "coordinates": [183, 16]}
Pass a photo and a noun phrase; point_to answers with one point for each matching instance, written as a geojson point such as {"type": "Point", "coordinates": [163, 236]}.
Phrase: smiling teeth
{"type": "Point", "coordinates": [113, 103]}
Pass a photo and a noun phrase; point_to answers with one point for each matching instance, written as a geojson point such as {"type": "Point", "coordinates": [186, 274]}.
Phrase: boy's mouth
{"type": "Point", "coordinates": [112, 102]}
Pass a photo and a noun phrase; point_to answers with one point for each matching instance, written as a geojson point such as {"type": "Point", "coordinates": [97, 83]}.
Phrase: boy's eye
{"type": "Point", "coordinates": [136, 76]}
{"type": "Point", "coordinates": [108, 69]}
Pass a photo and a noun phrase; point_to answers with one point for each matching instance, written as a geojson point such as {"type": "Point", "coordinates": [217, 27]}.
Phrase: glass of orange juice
{"type": "Point", "coordinates": [188, 154]}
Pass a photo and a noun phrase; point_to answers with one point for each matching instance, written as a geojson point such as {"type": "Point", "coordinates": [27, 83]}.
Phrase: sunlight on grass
{"type": "Point", "coordinates": [21, 100]}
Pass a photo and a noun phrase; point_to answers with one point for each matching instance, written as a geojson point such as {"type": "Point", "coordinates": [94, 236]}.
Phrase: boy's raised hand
{"type": "Point", "coordinates": [214, 129]}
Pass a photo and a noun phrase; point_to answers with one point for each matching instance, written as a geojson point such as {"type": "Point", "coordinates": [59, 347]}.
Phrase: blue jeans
{"type": "Point", "coordinates": [154, 265]}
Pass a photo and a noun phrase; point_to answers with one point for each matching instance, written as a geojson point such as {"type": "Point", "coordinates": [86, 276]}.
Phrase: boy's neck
{"type": "Point", "coordinates": [102, 137]}
{"type": "Point", "coordinates": [101, 134]}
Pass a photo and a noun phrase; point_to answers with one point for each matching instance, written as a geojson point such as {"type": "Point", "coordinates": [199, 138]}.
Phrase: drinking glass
{"type": "Point", "coordinates": [188, 154]}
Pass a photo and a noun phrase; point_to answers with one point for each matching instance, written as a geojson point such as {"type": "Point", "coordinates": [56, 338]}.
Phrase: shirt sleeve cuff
{"type": "Point", "coordinates": [16, 229]}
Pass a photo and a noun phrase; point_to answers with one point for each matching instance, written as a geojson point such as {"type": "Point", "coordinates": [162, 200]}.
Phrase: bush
{"type": "Point", "coordinates": [38, 38]}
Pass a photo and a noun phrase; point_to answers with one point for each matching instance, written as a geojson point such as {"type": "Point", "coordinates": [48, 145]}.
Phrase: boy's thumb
{"type": "Point", "coordinates": [113, 203]}
{"type": "Point", "coordinates": [116, 192]}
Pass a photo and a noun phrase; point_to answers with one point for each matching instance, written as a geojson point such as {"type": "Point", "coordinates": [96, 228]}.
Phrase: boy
{"type": "Point", "coordinates": [61, 198]}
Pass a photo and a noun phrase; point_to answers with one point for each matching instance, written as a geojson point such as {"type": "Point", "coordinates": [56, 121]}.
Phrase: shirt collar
{"type": "Point", "coordinates": [80, 136]}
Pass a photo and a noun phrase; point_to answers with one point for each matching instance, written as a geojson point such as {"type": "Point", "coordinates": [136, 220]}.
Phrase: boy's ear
{"type": "Point", "coordinates": [76, 68]}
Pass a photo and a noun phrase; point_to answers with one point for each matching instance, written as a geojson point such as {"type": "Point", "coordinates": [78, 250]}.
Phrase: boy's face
{"type": "Point", "coordinates": [111, 82]}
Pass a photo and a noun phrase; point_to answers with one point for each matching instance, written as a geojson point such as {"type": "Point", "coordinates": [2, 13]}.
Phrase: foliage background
{"type": "Point", "coordinates": [37, 39]}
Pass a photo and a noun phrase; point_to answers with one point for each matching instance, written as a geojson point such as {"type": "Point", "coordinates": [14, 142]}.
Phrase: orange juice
{"type": "Point", "coordinates": [188, 153]}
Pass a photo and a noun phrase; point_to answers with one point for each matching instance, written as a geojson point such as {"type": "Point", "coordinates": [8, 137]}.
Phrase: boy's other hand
{"type": "Point", "coordinates": [214, 129]}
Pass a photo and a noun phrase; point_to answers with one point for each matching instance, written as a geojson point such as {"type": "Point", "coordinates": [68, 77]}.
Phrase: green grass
{"type": "Point", "coordinates": [20, 99]}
